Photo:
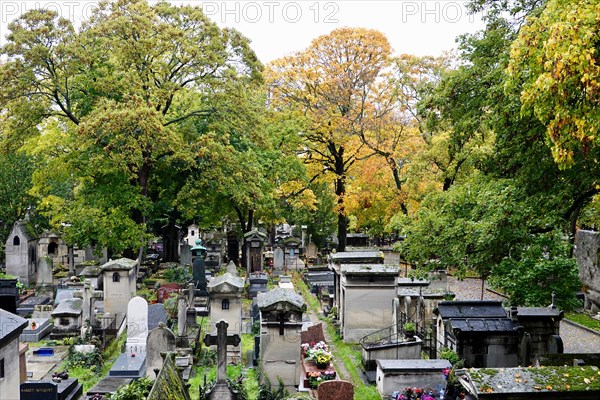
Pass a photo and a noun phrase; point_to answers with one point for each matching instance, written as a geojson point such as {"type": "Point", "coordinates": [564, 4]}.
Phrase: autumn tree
{"type": "Point", "coordinates": [119, 101]}
{"type": "Point", "coordinates": [555, 61]}
{"type": "Point", "coordinates": [331, 83]}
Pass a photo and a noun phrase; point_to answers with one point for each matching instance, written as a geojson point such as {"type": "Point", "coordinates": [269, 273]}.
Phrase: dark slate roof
{"type": "Point", "coordinates": [68, 307]}
{"type": "Point", "coordinates": [484, 325]}
{"type": "Point", "coordinates": [268, 299]}
{"type": "Point", "coordinates": [11, 326]}
{"type": "Point", "coordinates": [119, 264]}
{"type": "Point", "coordinates": [353, 257]}
{"type": "Point", "coordinates": [471, 309]}
{"type": "Point", "coordinates": [156, 315]}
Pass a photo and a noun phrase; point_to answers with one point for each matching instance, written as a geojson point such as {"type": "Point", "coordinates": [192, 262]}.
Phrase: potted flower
{"type": "Point", "coordinates": [322, 359]}
{"type": "Point", "coordinates": [409, 330]}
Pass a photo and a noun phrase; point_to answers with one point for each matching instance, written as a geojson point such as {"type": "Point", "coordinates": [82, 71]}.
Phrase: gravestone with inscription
{"type": "Point", "coordinates": [66, 389]}
{"type": "Point", "coordinates": [137, 325]}
{"type": "Point", "coordinates": [278, 258]}
{"type": "Point", "coordinates": [185, 257]}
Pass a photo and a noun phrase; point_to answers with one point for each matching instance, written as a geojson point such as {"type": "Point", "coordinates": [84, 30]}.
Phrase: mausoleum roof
{"type": "Point", "coordinates": [225, 281]}
{"type": "Point", "coordinates": [484, 325]}
{"type": "Point", "coordinates": [119, 264]}
{"type": "Point", "coordinates": [353, 257]}
{"type": "Point", "coordinates": [369, 269]}
{"type": "Point", "coordinates": [413, 365]}
{"type": "Point", "coordinates": [11, 326]}
{"type": "Point", "coordinates": [269, 300]}
{"type": "Point", "coordinates": [68, 307]}
{"type": "Point", "coordinates": [471, 309]}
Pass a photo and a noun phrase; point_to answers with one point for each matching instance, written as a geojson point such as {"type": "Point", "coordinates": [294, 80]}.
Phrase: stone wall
{"type": "Point", "coordinates": [587, 253]}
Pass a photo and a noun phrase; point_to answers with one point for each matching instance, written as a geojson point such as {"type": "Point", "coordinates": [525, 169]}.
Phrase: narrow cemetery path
{"type": "Point", "coordinates": [575, 339]}
{"type": "Point", "coordinates": [339, 365]}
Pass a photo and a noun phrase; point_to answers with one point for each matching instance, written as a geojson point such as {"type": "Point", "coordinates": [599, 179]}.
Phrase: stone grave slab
{"type": "Point", "coordinates": [137, 325]}
{"type": "Point", "coordinates": [67, 389]}
{"type": "Point", "coordinates": [563, 383]}
{"type": "Point", "coordinates": [108, 384]}
{"type": "Point", "coordinates": [336, 390]}
{"type": "Point", "coordinates": [129, 364]}
{"type": "Point", "coordinates": [27, 306]}
{"type": "Point", "coordinates": [36, 330]}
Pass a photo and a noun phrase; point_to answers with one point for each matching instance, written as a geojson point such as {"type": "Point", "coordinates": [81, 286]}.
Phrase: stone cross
{"type": "Point", "coordinates": [222, 340]}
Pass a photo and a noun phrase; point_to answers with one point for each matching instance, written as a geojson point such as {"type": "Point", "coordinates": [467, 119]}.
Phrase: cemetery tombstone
{"type": "Point", "coordinates": [254, 242]}
{"type": "Point", "coordinates": [185, 256]}
{"type": "Point", "coordinates": [231, 268]}
{"type": "Point", "coordinates": [44, 273]}
{"type": "Point", "coordinates": [311, 252]}
{"type": "Point", "coordinates": [336, 390]}
{"type": "Point", "coordinates": [198, 268]}
{"type": "Point", "coordinates": [278, 258]}
{"type": "Point", "coordinates": [233, 247]}
{"type": "Point", "coordinates": [160, 340]}
{"type": "Point", "coordinates": [137, 325]}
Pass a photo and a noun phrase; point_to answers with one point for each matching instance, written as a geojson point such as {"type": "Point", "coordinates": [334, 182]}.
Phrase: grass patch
{"type": "Point", "coordinates": [88, 377]}
{"type": "Point", "coordinates": [583, 319]}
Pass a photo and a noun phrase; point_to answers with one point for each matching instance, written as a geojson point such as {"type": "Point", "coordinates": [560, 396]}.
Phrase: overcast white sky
{"type": "Point", "coordinates": [281, 27]}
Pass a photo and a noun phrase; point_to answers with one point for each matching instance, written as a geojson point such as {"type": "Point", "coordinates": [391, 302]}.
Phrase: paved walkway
{"type": "Point", "coordinates": [575, 339]}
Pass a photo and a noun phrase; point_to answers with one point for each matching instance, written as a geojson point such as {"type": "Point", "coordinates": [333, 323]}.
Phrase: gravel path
{"type": "Point", "coordinates": [575, 339]}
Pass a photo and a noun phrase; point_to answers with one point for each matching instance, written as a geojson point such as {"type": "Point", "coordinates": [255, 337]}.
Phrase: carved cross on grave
{"type": "Point", "coordinates": [281, 318]}
{"type": "Point", "coordinates": [222, 340]}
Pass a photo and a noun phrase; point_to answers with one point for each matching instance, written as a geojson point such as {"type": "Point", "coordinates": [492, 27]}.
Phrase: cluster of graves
{"type": "Point", "coordinates": [395, 321]}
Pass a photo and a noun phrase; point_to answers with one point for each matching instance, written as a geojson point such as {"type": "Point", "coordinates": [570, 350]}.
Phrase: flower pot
{"type": "Point", "coordinates": [322, 365]}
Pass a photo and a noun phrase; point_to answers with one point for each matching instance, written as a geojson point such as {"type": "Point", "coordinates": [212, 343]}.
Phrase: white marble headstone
{"type": "Point", "coordinates": [137, 325]}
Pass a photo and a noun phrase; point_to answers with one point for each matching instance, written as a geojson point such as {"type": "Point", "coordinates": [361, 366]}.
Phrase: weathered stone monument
{"type": "Point", "coordinates": [336, 390]}
{"type": "Point", "coordinates": [226, 298]}
{"type": "Point", "coordinates": [221, 390]}
{"type": "Point", "coordinates": [281, 313]}
{"type": "Point", "coordinates": [160, 340]}
{"type": "Point", "coordinates": [254, 242]}
{"type": "Point", "coordinates": [137, 325]}
{"type": "Point", "coordinates": [278, 258]}
{"type": "Point", "coordinates": [198, 269]}
{"type": "Point", "coordinates": [44, 273]}
{"type": "Point", "coordinates": [587, 252]}
{"type": "Point", "coordinates": [185, 254]}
